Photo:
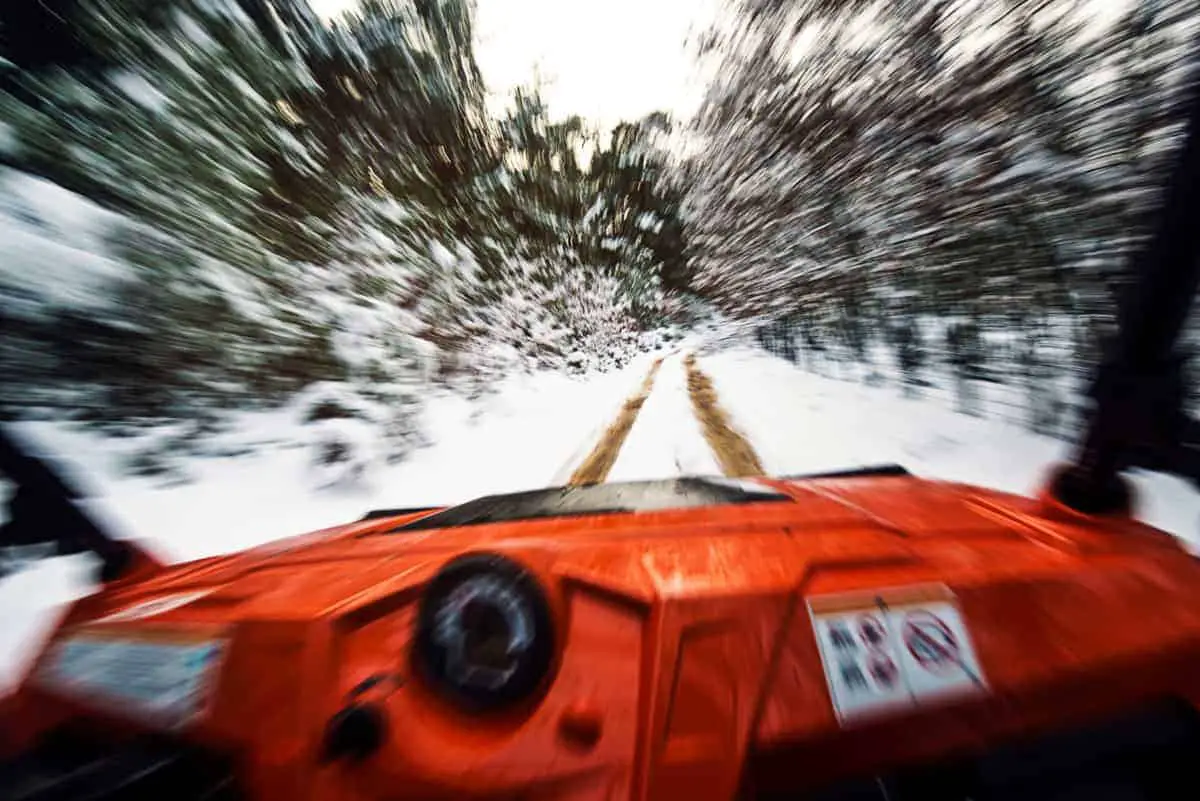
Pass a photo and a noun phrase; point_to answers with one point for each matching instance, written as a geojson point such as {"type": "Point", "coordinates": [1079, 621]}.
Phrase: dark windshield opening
{"type": "Point", "coordinates": [641, 496]}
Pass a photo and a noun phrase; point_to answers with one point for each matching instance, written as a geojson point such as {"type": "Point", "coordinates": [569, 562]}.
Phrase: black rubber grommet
{"type": "Point", "coordinates": [355, 733]}
{"type": "Point", "coordinates": [532, 665]}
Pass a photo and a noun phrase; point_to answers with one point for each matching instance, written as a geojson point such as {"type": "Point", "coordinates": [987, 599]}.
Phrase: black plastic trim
{"type": "Point", "coordinates": [855, 472]}
{"type": "Point", "coordinates": [1144, 755]}
{"type": "Point", "coordinates": [687, 492]}
{"type": "Point", "coordinates": [380, 514]}
{"type": "Point", "coordinates": [70, 765]}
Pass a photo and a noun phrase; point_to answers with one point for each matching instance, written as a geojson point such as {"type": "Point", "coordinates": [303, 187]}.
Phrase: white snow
{"type": "Point", "coordinates": [195, 34]}
{"type": "Point", "coordinates": [52, 243]}
{"type": "Point", "coordinates": [665, 439]}
{"type": "Point", "coordinates": [799, 422]}
{"type": "Point", "coordinates": [648, 222]}
{"type": "Point", "coordinates": [8, 138]}
{"type": "Point", "coordinates": [442, 256]}
{"type": "Point", "coordinates": [139, 90]}
{"type": "Point", "coordinates": [594, 211]}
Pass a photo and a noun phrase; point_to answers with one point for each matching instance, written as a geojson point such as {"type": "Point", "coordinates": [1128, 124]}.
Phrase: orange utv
{"type": "Point", "coordinates": [869, 635]}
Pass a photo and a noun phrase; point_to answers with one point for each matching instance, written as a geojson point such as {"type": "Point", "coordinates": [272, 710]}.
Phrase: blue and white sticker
{"type": "Point", "coordinates": [165, 683]}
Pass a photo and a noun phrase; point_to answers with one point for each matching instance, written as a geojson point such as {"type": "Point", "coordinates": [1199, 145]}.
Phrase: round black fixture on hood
{"type": "Point", "coordinates": [485, 633]}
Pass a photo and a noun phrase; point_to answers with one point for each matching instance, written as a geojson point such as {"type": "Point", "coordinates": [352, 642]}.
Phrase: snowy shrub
{"type": "Point", "coordinates": [340, 429]}
{"type": "Point", "coordinates": [546, 315]}
{"type": "Point", "coordinates": [577, 361]}
{"type": "Point", "coordinates": [331, 400]}
{"type": "Point", "coordinates": [161, 453]}
{"type": "Point", "coordinates": [151, 464]}
{"type": "Point", "coordinates": [396, 419]}
{"type": "Point", "coordinates": [343, 453]}
{"type": "Point", "coordinates": [1046, 406]}
{"type": "Point", "coordinates": [338, 417]}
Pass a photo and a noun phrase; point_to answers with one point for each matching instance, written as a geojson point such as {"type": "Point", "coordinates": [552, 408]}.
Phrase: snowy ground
{"type": "Point", "coordinates": [804, 423]}
{"type": "Point", "coordinates": [532, 433]}
{"type": "Point", "coordinates": [665, 439]}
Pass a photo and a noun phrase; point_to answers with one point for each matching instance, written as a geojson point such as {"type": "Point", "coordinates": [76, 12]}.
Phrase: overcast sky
{"type": "Point", "coordinates": [606, 60]}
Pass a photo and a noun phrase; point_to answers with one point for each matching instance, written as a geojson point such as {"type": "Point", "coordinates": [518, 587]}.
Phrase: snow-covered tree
{"type": "Point", "coordinates": [874, 164]}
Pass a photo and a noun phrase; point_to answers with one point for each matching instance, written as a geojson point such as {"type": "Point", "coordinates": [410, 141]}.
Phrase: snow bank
{"type": "Point", "coordinates": [804, 423]}
{"type": "Point", "coordinates": [252, 483]}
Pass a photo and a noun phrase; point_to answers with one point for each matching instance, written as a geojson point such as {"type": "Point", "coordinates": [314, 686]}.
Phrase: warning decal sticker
{"type": "Point", "coordinates": [163, 678]}
{"type": "Point", "coordinates": [893, 650]}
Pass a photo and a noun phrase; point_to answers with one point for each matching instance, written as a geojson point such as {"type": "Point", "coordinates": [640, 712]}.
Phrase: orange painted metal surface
{"type": "Point", "coordinates": [687, 664]}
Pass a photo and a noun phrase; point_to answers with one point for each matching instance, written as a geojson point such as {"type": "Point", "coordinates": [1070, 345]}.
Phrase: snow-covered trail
{"type": "Point", "coordinates": [594, 468]}
{"type": "Point", "coordinates": [665, 439]}
{"type": "Point", "coordinates": [802, 423]}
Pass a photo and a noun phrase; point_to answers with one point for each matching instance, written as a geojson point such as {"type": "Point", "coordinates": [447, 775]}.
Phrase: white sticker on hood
{"type": "Point", "coordinates": [165, 682]}
{"type": "Point", "coordinates": [895, 649]}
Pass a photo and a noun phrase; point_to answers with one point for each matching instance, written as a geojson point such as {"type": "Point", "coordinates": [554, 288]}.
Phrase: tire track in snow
{"type": "Point", "coordinates": [732, 450]}
{"type": "Point", "coordinates": [666, 439]}
{"type": "Point", "coordinates": [632, 377]}
{"type": "Point", "coordinates": [594, 469]}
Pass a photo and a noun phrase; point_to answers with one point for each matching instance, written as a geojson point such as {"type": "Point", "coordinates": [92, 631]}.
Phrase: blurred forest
{"type": "Point", "coordinates": [303, 202]}
{"type": "Point", "coordinates": [936, 184]}
{"type": "Point", "coordinates": [930, 189]}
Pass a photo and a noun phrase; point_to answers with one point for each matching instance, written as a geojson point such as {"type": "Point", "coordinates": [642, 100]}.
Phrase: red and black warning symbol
{"type": "Point", "coordinates": [872, 632]}
{"type": "Point", "coordinates": [883, 669]}
{"type": "Point", "coordinates": [931, 642]}
{"type": "Point", "coordinates": [878, 662]}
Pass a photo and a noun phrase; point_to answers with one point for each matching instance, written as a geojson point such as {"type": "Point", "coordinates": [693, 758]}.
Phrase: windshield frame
{"type": "Point", "coordinates": [691, 492]}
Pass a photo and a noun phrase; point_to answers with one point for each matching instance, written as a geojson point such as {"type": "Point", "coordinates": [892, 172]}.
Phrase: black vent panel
{"type": "Point", "coordinates": [1151, 755]}
{"type": "Point", "coordinates": [71, 766]}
